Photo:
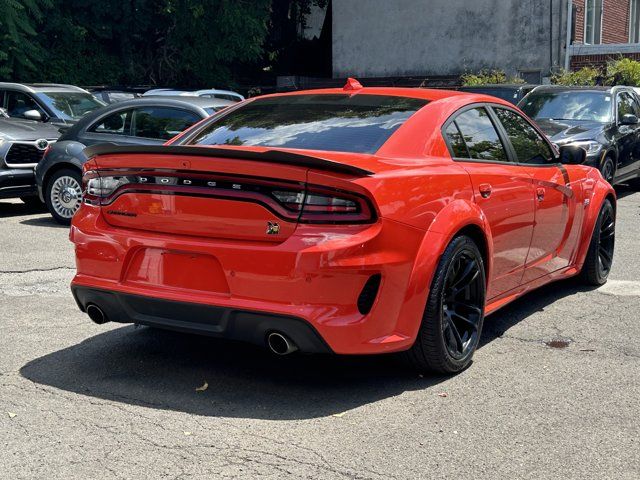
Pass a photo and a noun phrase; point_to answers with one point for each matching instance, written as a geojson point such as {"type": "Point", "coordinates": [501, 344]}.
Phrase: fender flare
{"type": "Point", "coordinates": [62, 155]}
{"type": "Point", "coordinates": [595, 196]}
{"type": "Point", "coordinates": [454, 218]}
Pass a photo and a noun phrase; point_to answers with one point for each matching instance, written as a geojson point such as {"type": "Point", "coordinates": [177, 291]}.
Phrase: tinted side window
{"type": "Point", "coordinates": [635, 105]}
{"type": "Point", "coordinates": [530, 147]}
{"type": "Point", "coordinates": [161, 123]}
{"type": "Point", "coordinates": [480, 135]}
{"type": "Point", "coordinates": [116, 124]}
{"type": "Point", "coordinates": [626, 105]}
{"type": "Point", "coordinates": [458, 147]}
{"type": "Point", "coordinates": [18, 103]}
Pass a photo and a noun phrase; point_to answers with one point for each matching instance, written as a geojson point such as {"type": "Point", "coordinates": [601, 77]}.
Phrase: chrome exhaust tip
{"type": "Point", "coordinates": [280, 344]}
{"type": "Point", "coordinates": [96, 314]}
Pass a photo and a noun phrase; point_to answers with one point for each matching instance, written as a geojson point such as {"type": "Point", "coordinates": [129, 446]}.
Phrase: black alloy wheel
{"type": "Point", "coordinates": [452, 322]}
{"type": "Point", "coordinates": [462, 304]}
{"type": "Point", "coordinates": [599, 261]}
{"type": "Point", "coordinates": [608, 170]}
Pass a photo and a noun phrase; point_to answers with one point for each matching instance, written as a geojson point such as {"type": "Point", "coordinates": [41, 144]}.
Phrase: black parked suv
{"type": "Point", "coordinates": [143, 121]}
{"type": "Point", "coordinates": [602, 120]}
{"type": "Point", "coordinates": [511, 92]}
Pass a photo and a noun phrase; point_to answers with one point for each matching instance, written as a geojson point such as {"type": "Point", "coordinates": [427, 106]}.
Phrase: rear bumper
{"type": "Point", "coordinates": [233, 324]}
{"type": "Point", "coordinates": [17, 182]}
{"type": "Point", "coordinates": [315, 276]}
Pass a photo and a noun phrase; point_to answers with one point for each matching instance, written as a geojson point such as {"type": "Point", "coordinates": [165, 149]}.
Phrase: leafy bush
{"type": "Point", "coordinates": [485, 77]}
{"type": "Point", "coordinates": [623, 72]}
{"type": "Point", "coordinates": [586, 76]}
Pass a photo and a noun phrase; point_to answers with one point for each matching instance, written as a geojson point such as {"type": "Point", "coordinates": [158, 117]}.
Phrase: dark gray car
{"type": "Point", "coordinates": [143, 121]}
{"type": "Point", "coordinates": [22, 145]}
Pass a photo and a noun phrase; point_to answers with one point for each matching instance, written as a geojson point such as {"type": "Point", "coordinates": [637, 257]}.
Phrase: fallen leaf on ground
{"type": "Point", "coordinates": [187, 433]}
{"type": "Point", "coordinates": [443, 394]}
{"type": "Point", "coordinates": [341, 414]}
{"type": "Point", "coordinates": [11, 414]}
{"type": "Point", "coordinates": [203, 387]}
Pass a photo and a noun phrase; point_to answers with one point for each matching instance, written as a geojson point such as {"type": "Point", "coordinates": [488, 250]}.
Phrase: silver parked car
{"type": "Point", "coordinates": [207, 93]}
{"type": "Point", "coordinates": [22, 146]}
{"type": "Point", "coordinates": [47, 102]}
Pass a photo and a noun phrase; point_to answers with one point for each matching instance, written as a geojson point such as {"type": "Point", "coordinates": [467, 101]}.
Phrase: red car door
{"type": "Point", "coordinates": [502, 189]}
{"type": "Point", "coordinates": [554, 235]}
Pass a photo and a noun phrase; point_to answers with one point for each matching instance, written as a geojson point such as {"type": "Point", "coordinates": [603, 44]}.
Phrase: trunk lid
{"type": "Point", "coordinates": [236, 194]}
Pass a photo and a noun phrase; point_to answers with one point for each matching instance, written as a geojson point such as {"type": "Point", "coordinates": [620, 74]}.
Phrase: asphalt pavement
{"type": "Point", "coordinates": [554, 391]}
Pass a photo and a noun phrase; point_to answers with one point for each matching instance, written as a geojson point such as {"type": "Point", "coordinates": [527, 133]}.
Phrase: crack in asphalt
{"type": "Point", "coordinates": [36, 270]}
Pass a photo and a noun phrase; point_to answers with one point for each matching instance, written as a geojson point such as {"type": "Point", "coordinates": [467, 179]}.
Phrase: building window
{"type": "Point", "coordinates": [593, 22]}
{"type": "Point", "coordinates": [634, 25]}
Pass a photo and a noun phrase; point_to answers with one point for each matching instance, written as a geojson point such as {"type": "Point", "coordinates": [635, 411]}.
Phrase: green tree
{"type": "Point", "coordinates": [19, 52]}
{"type": "Point", "coordinates": [188, 43]}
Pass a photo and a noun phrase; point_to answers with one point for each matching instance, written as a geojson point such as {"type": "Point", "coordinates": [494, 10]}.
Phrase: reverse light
{"type": "Point", "coordinates": [96, 187]}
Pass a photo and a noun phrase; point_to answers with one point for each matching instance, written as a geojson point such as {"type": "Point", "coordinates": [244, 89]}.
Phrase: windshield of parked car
{"type": "Point", "coordinates": [343, 123]}
{"type": "Point", "coordinates": [569, 105]}
{"type": "Point", "coordinates": [70, 105]}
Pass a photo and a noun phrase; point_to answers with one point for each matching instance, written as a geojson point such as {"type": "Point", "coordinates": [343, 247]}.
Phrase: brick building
{"type": "Point", "coordinates": [604, 29]}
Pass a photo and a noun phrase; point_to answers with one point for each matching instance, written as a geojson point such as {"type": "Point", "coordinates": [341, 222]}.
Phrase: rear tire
{"type": "Point", "coordinates": [452, 322]}
{"type": "Point", "coordinates": [608, 170]}
{"type": "Point", "coordinates": [597, 265]}
{"type": "Point", "coordinates": [63, 195]}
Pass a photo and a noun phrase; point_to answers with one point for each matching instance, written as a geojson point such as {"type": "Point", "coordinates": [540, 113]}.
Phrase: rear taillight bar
{"type": "Point", "coordinates": [291, 201]}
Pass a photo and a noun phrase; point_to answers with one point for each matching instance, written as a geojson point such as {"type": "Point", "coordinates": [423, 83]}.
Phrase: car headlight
{"type": "Point", "coordinates": [592, 147]}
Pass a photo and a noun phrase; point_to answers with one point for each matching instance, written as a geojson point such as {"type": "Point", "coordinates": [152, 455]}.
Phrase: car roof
{"type": "Point", "coordinates": [179, 92]}
{"type": "Point", "coordinates": [580, 88]}
{"type": "Point", "coordinates": [429, 94]}
{"type": "Point", "coordinates": [42, 87]}
{"type": "Point", "coordinates": [160, 101]}
{"type": "Point", "coordinates": [203, 102]}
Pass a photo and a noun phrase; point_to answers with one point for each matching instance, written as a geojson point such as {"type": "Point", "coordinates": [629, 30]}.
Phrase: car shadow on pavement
{"type": "Point", "coordinates": [162, 369]}
{"type": "Point", "coordinates": [497, 324]}
{"type": "Point", "coordinates": [625, 190]}
{"type": "Point", "coordinates": [17, 209]}
{"type": "Point", "coordinates": [47, 221]}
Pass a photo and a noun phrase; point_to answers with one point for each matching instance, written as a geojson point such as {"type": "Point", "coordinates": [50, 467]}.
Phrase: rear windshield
{"type": "Point", "coordinates": [342, 123]}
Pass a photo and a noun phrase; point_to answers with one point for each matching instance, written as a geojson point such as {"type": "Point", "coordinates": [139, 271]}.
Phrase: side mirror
{"type": "Point", "coordinates": [629, 119]}
{"type": "Point", "coordinates": [572, 155]}
{"type": "Point", "coordinates": [32, 115]}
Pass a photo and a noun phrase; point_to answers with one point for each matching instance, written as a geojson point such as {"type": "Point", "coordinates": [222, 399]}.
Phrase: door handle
{"type": "Point", "coordinates": [485, 190]}
{"type": "Point", "coordinates": [540, 193]}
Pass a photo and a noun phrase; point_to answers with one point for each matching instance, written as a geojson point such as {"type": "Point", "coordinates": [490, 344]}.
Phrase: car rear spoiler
{"type": "Point", "coordinates": [269, 156]}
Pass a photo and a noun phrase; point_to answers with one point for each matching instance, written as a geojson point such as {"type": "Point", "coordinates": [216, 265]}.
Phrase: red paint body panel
{"type": "Point", "coordinates": [215, 251]}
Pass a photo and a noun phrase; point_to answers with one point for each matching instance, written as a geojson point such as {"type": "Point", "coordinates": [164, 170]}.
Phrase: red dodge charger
{"type": "Point", "coordinates": [353, 221]}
